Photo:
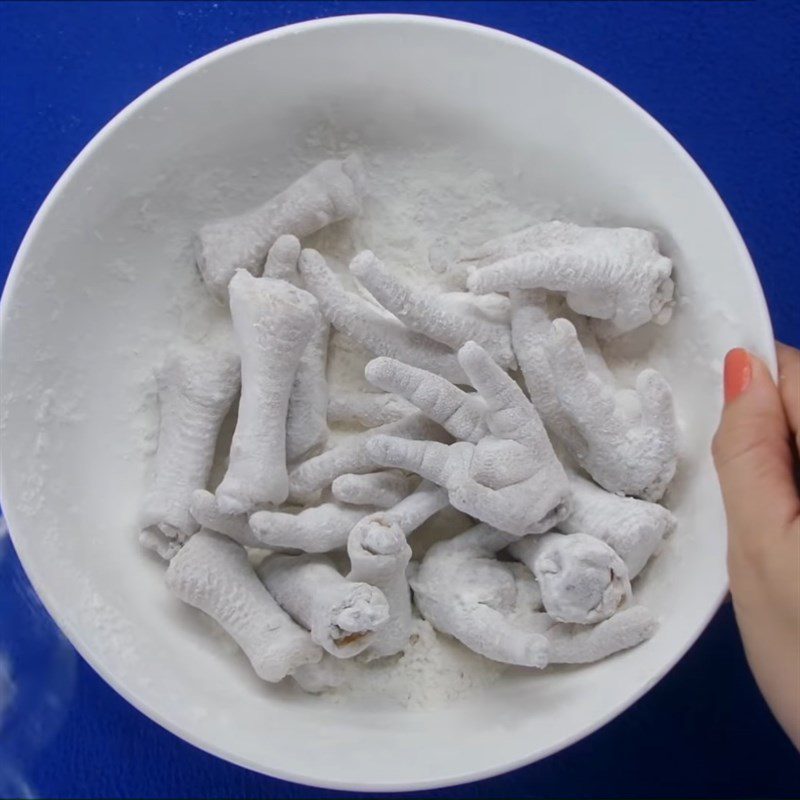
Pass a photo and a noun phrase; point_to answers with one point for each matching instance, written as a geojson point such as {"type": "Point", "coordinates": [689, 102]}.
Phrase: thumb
{"type": "Point", "coordinates": [752, 450]}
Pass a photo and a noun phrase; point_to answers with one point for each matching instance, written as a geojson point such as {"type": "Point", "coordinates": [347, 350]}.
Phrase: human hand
{"type": "Point", "coordinates": [755, 452]}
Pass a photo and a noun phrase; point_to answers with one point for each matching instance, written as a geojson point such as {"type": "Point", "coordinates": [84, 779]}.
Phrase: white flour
{"type": "Point", "coordinates": [432, 670]}
{"type": "Point", "coordinates": [413, 201]}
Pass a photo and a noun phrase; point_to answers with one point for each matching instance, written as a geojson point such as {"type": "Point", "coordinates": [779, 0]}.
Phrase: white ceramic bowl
{"type": "Point", "coordinates": [85, 309]}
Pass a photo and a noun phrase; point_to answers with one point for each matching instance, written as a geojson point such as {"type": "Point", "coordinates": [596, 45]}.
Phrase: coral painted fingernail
{"type": "Point", "coordinates": [738, 372]}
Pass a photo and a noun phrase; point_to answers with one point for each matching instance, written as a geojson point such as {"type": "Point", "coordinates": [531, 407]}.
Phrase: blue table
{"type": "Point", "coordinates": [723, 77]}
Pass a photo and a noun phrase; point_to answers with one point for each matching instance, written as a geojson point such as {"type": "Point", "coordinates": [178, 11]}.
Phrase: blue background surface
{"type": "Point", "coordinates": [723, 77]}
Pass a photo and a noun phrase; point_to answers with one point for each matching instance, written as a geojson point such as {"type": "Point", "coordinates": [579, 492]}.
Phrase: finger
{"type": "Point", "coordinates": [427, 459]}
{"type": "Point", "coordinates": [457, 412]}
{"type": "Point", "coordinates": [789, 385]}
{"type": "Point", "coordinates": [752, 452]}
{"type": "Point", "coordinates": [655, 395]}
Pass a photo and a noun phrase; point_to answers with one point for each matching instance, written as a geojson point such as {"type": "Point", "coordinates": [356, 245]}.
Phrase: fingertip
{"type": "Point", "coordinates": [746, 375]}
{"type": "Point", "coordinates": [738, 373]}
{"type": "Point", "coordinates": [753, 408]}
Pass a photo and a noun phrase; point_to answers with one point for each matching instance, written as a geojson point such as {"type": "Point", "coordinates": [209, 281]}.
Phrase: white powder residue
{"type": "Point", "coordinates": [415, 199]}
{"type": "Point", "coordinates": [432, 671]}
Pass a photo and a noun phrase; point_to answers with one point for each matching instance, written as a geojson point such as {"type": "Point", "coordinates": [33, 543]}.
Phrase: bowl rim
{"type": "Point", "coordinates": [73, 634]}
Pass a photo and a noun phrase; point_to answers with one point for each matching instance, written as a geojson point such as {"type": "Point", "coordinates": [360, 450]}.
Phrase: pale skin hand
{"type": "Point", "coordinates": [755, 451]}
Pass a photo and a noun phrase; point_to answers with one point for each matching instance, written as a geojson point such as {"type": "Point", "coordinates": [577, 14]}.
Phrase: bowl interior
{"type": "Point", "coordinates": [105, 280]}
